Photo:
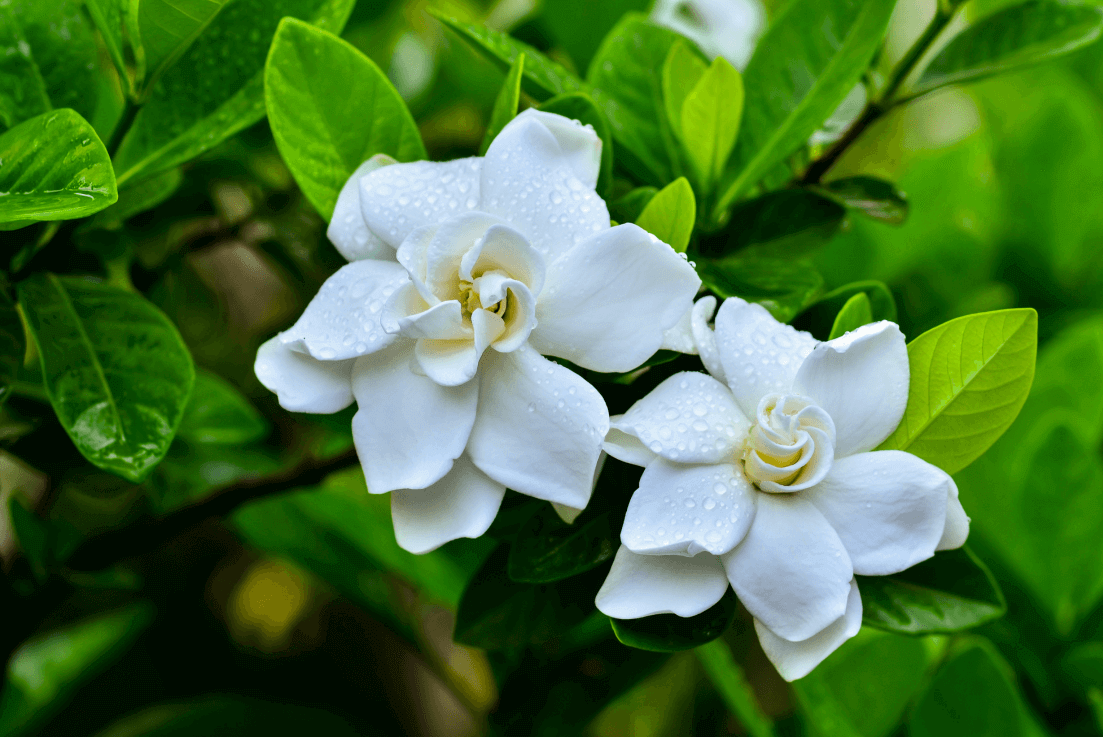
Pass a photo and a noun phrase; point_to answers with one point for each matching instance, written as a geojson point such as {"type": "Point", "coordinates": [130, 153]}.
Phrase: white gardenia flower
{"type": "Point", "coordinates": [764, 475]}
{"type": "Point", "coordinates": [462, 274]}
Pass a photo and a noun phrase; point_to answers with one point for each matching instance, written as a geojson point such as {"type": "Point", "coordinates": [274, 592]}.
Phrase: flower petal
{"type": "Point", "coordinates": [528, 181]}
{"type": "Point", "coordinates": [445, 252]}
{"type": "Point", "coordinates": [342, 321]}
{"type": "Point", "coordinates": [626, 447]}
{"type": "Point", "coordinates": [861, 379]}
{"type": "Point", "coordinates": [462, 504]}
{"type": "Point", "coordinates": [504, 249]}
{"type": "Point", "coordinates": [680, 337]}
{"type": "Point", "coordinates": [791, 571]}
{"type": "Point", "coordinates": [956, 530]}
{"type": "Point", "coordinates": [705, 337]}
{"type": "Point", "coordinates": [888, 507]}
{"type": "Point", "coordinates": [795, 660]}
{"type": "Point", "coordinates": [406, 313]}
{"type": "Point", "coordinates": [409, 429]}
{"type": "Point", "coordinates": [682, 510]}
{"type": "Point", "coordinates": [303, 383]}
{"type": "Point", "coordinates": [607, 302]}
{"type": "Point", "coordinates": [760, 355]}
{"type": "Point", "coordinates": [580, 145]}
{"type": "Point", "coordinates": [448, 362]}
{"type": "Point", "coordinates": [397, 199]}
{"type": "Point", "coordinates": [690, 418]}
{"type": "Point", "coordinates": [520, 315]}
{"type": "Point", "coordinates": [642, 585]}
{"type": "Point", "coordinates": [539, 427]}
{"type": "Point", "coordinates": [347, 230]}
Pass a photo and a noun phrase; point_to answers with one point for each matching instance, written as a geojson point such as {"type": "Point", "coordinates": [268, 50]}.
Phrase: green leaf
{"type": "Point", "coordinates": [12, 348]}
{"type": "Point", "coordinates": [973, 694]}
{"type": "Point", "coordinates": [626, 76]}
{"type": "Point", "coordinates": [710, 120]}
{"type": "Point", "coordinates": [670, 215]}
{"type": "Point", "coordinates": [799, 74]}
{"type": "Point", "coordinates": [109, 17]}
{"type": "Point", "coordinates": [505, 104]}
{"type": "Point", "coordinates": [331, 109]}
{"type": "Point", "coordinates": [191, 471]}
{"type": "Point", "coordinates": [218, 413]}
{"type": "Point", "coordinates": [543, 77]}
{"type": "Point", "coordinates": [167, 28]}
{"type": "Point", "coordinates": [44, 671]}
{"type": "Point", "coordinates": [820, 317]}
{"type": "Point", "coordinates": [875, 198]}
{"type": "Point", "coordinates": [1023, 34]}
{"type": "Point", "coordinates": [116, 370]}
{"type": "Point", "coordinates": [191, 110]}
{"type": "Point", "coordinates": [682, 69]}
{"type": "Point", "coordinates": [22, 89]}
{"type": "Point", "coordinates": [629, 207]}
{"type": "Point", "coordinates": [969, 379]}
{"type": "Point", "coordinates": [582, 39]}
{"type": "Point", "coordinates": [730, 680]}
{"type": "Point", "coordinates": [783, 287]}
{"type": "Point", "coordinates": [950, 592]}
{"type": "Point", "coordinates": [667, 633]}
{"type": "Point", "coordinates": [55, 168]}
{"type": "Point", "coordinates": [138, 197]}
{"type": "Point", "coordinates": [787, 223]}
{"type": "Point", "coordinates": [579, 106]}
{"type": "Point", "coordinates": [32, 535]}
{"type": "Point", "coordinates": [855, 313]}
{"type": "Point", "coordinates": [1084, 664]}
{"type": "Point", "coordinates": [548, 549]}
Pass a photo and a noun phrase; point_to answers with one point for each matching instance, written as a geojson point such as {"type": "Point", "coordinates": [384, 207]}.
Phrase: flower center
{"type": "Point", "coordinates": [791, 446]}
{"type": "Point", "coordinates": [471, 300]}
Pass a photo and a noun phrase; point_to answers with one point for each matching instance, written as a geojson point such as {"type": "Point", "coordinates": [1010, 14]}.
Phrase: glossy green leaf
{"type": "Point", "coordinates": [682, 69]}
{"type": "Point", "coordinates": [820, 317]}
{"type": "Point", "coordinates": [786, 223]}
{"type": "Point", "coordinates": [969, 379]}
{"type": "Point", "coordinates": [628, 208]}
{"type": "Point", "coordinates": [44, 671]}
{"type": "Point", "coordinates": [950, 592]}
{"type": "Point", "coordinates": [543, 78]}
{"type": "Point", "coordinates": [731, 682]}
{"type": "Point", "coordinates": [22, 89]}
{"type": "Point", "coordinates": [626, 76]}
{"type": "Point", "coordinates": [138, 197]}
{"type": "Point", "coordinates": [855, 313]}
{"type": "Point", "coordinates": [55, 168]}
{"type": "Point", "coordinates": [783, 287]}
{"type": "Point", "coordinates": [167, 28]}
{"type": "Point", "coordinates": [219, 414]}
{"type": "Point", "coordinates": [710, 120]}
{"type": "Point", "coordinates": [667, 633]}
{"type": "Point", "coordinates": [973, 694]}
{"type": "Point", "coordinates": [12, 348]}
{"type": "Point", "coordinates": [582, 39]}
{"type": "Point", "coordinates": [548, 549]}
{"type": "Point", "coordinates": [211, 93]}
{"type": "Point", "coordinates": [505, 104]}
{"type": "Point", "coordinates": [116, 370]}
{"type": "Point", "coordinates": [580, 106]}
{"type": "Point", "coordinates": [1020, 35]}
{"type": "Point", "coordinates": [670, 214]}
{"type": "Point", "coordinates": [874, 198]}
{"type": "Point", "coordinates": [110, 17]}
{"type": "Point", "coordinates": [799, 74]}
{"type": "Point", "coordinates": [331, 109]}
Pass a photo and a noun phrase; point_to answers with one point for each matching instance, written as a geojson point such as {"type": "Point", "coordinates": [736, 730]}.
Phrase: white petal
{"type": "Point", "coordinates": [680, 337]}
{"type": "Point", "coordinates": [795, 660]}
{"type": "Point", "coordinates": [580, 145]}
{"type": "Point", "coordinates": [406, 313]}
{"type": "Point", "coordinates": [408, 429]}
{"type": "Point", "coordinates": [528, 181]}
{"type": "Point", "coordinates": [462, 504]}
{"type": "Point", "coordinates": [626, 447]}
{"type": "Point", "coordinates": [607, 302]}
{"type": "Point", "coordinates": [504, 249]}
{"type": "Point", "coordinates": [347, 229]}
{"type": "Point", "coordinates": [444, 254]}
{"type": "Point", "coordinates": [413, 255]}
{"type": "Point", "coordinates": [682, 510]}
{"type": "Point", "coordinates": [448, 362]}
{"type": "Point", "coordinates": [642, 585]}
{"type": "Point", "coordinates": [539, 427]}
{"type": "Point", "coordinates": [690, 418]}
{"type": "Point", "coordinates": [760, 355]}
{"type": "Point", "coordinates": [342, 321]}
{"type": "Point", "coordinates": [888, 507]}
{"type": "Point", "coordinates": [520, 315]}
{"type": "Point", "coordinates": [956, 530]}
{"type": "Point", "coordinates": [302, 383]}
{"type": "Point", "coordinates": [791, 571]}
{"type": "Point", "coordinates": [399, 198]}
{"type": "Point", "coordinates": [861, 379]}
{"type": "Point", "coordinates": [704, 337]}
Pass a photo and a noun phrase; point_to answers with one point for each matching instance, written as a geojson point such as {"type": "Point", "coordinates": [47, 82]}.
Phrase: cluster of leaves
{"type": "Point", "coordinates": [111, 295]}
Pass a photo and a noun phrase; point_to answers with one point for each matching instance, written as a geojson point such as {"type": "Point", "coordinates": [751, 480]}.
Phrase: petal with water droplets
{"type": "Point", "coordinates": [347, 230]}
{"type": "Point", "coordinates": [303, 383]}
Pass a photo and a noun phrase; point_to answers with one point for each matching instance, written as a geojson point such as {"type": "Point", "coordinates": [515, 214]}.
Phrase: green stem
{"type": "Point", "coordinates": [729, 680]}
{"type": "Point", "coordinates": [906, 66]}
{"type": "Point", "coordinates": [130, 111]}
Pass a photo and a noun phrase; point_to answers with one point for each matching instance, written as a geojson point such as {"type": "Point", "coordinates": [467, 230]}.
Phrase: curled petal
{"type": "Point", "coordinates": [680, 337]}
{"type": "Point", "coordinates": [503, 249]}
{"type": "Point", "coordinates": [795, 660]}
{"type": "Point", "coordinates": [642, 585]}
{"type": "Point", "coordinates": [607, 302]}
{"type": "Point", "coordinates": [448, 362]}
{"type": "Point", "coordinates": [303, 383]}
{"type": "Point", "coordinates": [520, 313]}
{"type": "Point", "coordinates": [462, 504]}
{"type": "Point", "coordinates": [705, 337]}
{"type": "Point", "coordinates": [579, 144]}
{"type": "Point", "coordinates": [407, 314]}
{"type": "Point", "coordinates": [861, 379]}
{"type": "Point", "coordinates": [956, 530]}
{"type": "Point", "coordinates": [444, 254]}
{"type": "Point", "coordinates": [347, 230]}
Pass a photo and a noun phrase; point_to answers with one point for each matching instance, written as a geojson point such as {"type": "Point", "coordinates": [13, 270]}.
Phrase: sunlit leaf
{"type": "Point", "coordinates": [682, 70]}
{"type": "Point", "coordinates": [710, 120]}
{"type": "Point", "coordinates": [854, 314]}
{"type": "Point", "coordinates": [505, 104]}
{"type": "Point", "coordinates": [670, 214]}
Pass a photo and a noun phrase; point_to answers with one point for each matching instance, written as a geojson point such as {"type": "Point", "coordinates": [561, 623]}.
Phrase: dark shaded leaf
{"type": "Point", "coordinates": [218, 413]}
{"type": "Point", "coordinates": [783, 287]}
{"type": "Point", "coordinates": [628, 208]}
{"type": "Point", "coordinates": [548, 549]}
{"type": "Point", "coordinates": [12, 347]}
{"type": "Point", "coordinates": [785, 223]}
{"type": "Point", "coordinates": [582, 39]}
{"type": "Point", "coordinates": [819, 318]}
{"type": "Point", "coordinates": [167, 28]}
{"type": "Point", "coordinates": [666, 633]}
{"type": "Point", "coordinates": [22, 89]}
{"type": "Point", "coordinates": [875, 198]}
